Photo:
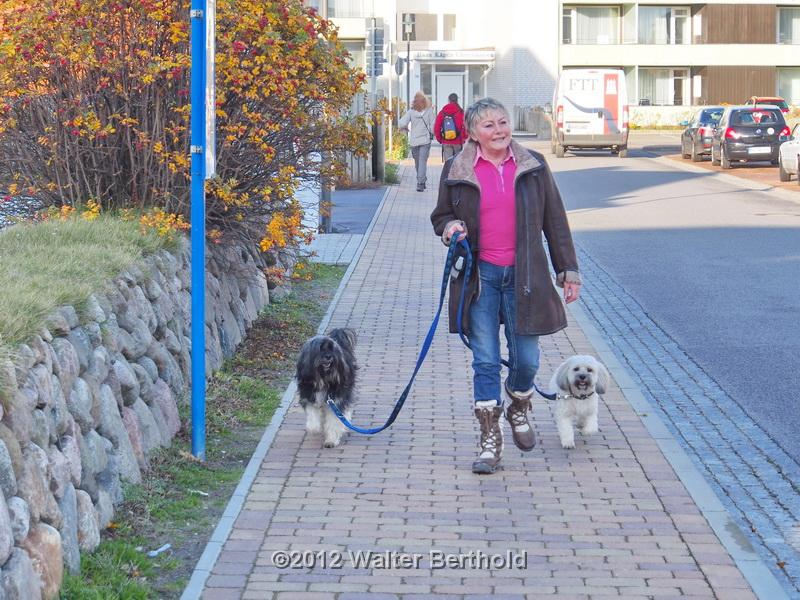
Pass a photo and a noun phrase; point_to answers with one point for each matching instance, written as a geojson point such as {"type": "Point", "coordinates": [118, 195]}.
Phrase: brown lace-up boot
{"type": "Point", "coordinates": [491, 442]}
{"type": "Point", "coordinates": [517, 415]}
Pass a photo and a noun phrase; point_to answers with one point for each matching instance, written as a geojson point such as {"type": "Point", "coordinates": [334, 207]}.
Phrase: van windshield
{"type": "Point", "coordinates": [779, 103]}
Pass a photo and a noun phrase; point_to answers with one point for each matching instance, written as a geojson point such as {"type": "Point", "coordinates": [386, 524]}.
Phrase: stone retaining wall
{"type": "Point", "coordinates": [87, 399]}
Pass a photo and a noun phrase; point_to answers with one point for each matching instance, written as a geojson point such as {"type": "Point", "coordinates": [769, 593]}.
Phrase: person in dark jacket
{"type": "Point", "coordinates": [451, 147]}
{"type": "Point", "coordinates": [502, 197]}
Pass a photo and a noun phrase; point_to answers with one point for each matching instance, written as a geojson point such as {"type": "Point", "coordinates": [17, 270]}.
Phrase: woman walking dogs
{"type": "Point", "coordinates": [503, 197]}
{"type": "Point", "coordinates": [421, 118]}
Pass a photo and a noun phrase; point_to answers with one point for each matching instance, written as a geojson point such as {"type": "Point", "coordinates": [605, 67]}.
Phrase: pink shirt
{"type": "Point", "coordinates": [498, 215]}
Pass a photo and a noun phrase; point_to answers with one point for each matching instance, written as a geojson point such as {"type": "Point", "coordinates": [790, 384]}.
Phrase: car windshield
{"type": "Point", "coordinates": [710, 116]}
{"type": "Point", "coordinates": [779, 103]}
{"type": "Point", "coordinates": [758, 116]}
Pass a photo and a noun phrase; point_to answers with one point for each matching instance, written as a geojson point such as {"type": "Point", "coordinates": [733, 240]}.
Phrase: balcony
{"type": "Point", "coordinates": [655, 55]}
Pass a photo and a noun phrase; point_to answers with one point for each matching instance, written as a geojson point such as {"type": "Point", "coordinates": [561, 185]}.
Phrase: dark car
{"type": "Point", "coordinates": [696, 138]}
{"type": "Point", "coordinates": [749, 133]}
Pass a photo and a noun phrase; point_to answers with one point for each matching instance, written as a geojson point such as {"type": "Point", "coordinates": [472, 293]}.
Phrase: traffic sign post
{"type": "Point", "coordinates": [203, 159]}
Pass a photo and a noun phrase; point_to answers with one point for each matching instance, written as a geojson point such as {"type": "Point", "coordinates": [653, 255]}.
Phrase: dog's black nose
{"type": "Point", "coordinates": [582, 377]}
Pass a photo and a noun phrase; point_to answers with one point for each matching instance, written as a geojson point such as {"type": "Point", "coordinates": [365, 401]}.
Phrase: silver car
{"type": "Point", "coordinates": [789, 156]}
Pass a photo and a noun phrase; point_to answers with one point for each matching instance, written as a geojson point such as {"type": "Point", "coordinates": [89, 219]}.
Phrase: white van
{"type": "Point", "coordinates": [590, 110]}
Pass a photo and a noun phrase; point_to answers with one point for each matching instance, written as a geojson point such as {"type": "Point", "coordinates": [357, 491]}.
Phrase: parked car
{"type": "Point", "coordinates": [748, 133]}
{"type": "Point", "coordinates": [789, 157]}
{"type": "Point", "coordinates": [696, 138]}
{"type": "Point", "coordinates": [590, 110]}
{"type": "Point", "coordinates": [768, 101]}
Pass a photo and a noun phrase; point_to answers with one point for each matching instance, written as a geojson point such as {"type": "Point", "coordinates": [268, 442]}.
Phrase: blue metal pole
{"type": "Point", "coordinates": [198, 232]}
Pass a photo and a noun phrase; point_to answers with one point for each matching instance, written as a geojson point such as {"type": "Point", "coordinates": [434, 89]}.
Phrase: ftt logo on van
{"type": "Point", "coordinates": [582, 85]}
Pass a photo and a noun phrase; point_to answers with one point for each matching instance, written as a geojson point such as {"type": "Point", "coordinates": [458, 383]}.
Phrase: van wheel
{"type": "Point", "coordinates": [684, 153]}
{"type": "Point", "coordinates": [694, 155]}
{"type": "Point", "coordinates": [724, 160]}
{"type": "Point", "coordinates": [559, 150]}
{"type": "Point", "coordinates": [623, 152]}
{"type": "Point", "coordinates": [783, 174]}
{"type": "Point", "coordinates": [714, 159]}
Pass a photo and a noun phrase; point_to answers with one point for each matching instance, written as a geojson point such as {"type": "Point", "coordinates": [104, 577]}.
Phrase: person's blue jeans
{"type": "Point", "coordinates": [497, 298]}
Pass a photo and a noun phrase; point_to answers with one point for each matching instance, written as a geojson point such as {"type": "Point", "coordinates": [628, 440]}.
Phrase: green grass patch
{"type": "Point", "coordinates": [117, 570]}
{"type": "Point", "coordinates": [50, 264]}
{"type": "Point", "coordinates": [390, 171]}
{"type": "Point", "coordinates": [180, 499]}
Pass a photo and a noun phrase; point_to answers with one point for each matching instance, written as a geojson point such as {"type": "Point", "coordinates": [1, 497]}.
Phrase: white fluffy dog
{"type": "Point", "coordinates": [578, 382]}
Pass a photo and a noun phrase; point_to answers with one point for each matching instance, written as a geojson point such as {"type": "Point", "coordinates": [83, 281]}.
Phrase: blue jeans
{"type": "Point", "coordinates": [497, 298]}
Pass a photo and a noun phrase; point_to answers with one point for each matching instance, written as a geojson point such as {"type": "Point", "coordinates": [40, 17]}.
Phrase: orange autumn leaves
{"type": "Point", "coordinates": [94, 104]}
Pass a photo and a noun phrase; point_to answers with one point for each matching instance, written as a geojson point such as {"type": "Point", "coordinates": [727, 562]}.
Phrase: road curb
{"type": "Point", "coordinates": [740, 182]}
{"type": "Point", "coordinates": [753, 568]}
{"type": "Point", "coordinates": [223, 529]}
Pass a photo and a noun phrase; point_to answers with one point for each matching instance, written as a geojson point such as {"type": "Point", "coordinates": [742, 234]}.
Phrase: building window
{"type": "Point", "coordinates": [448, 28]}
{"type": "Point", "coordinates": [566, 25]}
{"type": "Point", "coordinates": [358, 54]}
{"type": "Point", "coordinates": [789, 85]}
{"type": "Point", "coordinates": [664, 25]}
{"type": "Point", "coordinates": [590, 25]}
{"type": "Point", "coordinates": [789, 25]}
{"type": "Point", "coordinates": [424, 29]}
{"type": "Point", "coordinates": [664, 87]}
{"type": "Point", "coordinates": [347, 9]}
{"type": "Point", "coordinates": [426, 79]}
{"type": "Point", "coordinates": [475, 91]}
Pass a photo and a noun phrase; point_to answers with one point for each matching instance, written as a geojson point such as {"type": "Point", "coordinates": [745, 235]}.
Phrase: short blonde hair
{"type": "Point", "coordinates": [478, 109]}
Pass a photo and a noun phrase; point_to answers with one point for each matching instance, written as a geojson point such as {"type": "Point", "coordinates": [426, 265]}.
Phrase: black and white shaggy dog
{"type": "Point", "coordinates": [326, 368]}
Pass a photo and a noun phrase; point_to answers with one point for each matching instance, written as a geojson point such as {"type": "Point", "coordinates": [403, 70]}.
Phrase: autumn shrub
{"type": "Point", "coordinates": [94, 107]}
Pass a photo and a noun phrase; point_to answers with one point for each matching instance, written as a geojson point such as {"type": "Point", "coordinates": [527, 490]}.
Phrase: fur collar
{"type": "Point", "coordinates": [462, 168]}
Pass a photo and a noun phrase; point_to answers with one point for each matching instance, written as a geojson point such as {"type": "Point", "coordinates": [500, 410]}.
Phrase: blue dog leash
{"type": "Point", "coordinates": [452, 267]}
{"type": "Point", "coordinates": [451, 253]}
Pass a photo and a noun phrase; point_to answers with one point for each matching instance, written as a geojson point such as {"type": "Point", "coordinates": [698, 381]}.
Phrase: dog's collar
{"type": "Point", "coordinates": [568, 396]}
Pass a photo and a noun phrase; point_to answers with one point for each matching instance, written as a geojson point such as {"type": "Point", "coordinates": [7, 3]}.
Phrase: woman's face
{"type": "Point", "coordinates": [493, 131]}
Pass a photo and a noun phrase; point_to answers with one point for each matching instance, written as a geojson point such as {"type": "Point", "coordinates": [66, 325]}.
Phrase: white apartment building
{"type": "Point", "coordinates": [674, 53]}
{"type": "Point", "coordinates": [506, 49]}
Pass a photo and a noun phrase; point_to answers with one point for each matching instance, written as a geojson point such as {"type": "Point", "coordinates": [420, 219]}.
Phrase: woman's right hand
{"type": "Point", "coordinates": [457, 228]}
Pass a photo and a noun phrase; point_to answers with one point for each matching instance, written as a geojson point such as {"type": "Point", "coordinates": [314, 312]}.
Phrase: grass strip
{"type": "Point", "coordinates": [49, 264]}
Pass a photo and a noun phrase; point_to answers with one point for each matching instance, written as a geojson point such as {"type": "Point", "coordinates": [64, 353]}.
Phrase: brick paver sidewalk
{"type": "Point", "coordinates": [609, 518]}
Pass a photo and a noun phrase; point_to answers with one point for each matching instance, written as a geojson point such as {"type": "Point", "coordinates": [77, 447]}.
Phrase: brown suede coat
{"type": "Point", "coordinates": [540, 310]}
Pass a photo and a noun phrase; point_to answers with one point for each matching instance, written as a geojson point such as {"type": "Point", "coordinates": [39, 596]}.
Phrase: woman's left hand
{"type": "Point", "coordinates": [571, 291]}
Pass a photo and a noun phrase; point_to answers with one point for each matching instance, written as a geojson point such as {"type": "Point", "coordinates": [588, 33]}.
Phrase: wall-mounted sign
{"type": "Point", "coordinates": [455, 55]}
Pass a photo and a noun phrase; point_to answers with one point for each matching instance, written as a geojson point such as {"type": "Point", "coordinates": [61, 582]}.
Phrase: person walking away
{"type": "Point", "coordinates": [449, 128]}
{"type": "Point", "coordinates": [503, 197]}
{"type": "Point", "coordinates": [420, 118]}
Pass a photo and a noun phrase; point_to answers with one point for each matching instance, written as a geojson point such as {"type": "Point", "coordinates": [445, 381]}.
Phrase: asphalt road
{"type": "Point", "coordinates": [716, 266]}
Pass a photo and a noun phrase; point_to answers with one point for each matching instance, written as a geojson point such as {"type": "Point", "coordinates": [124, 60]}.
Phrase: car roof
{"type": "Point", "coordinates": [750, 107]}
